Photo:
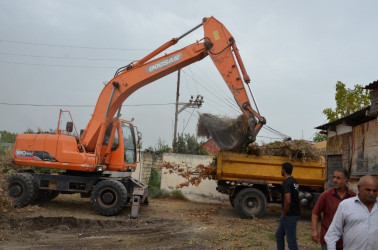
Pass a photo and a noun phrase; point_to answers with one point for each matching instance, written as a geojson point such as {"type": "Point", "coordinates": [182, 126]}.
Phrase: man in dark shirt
{"type": "Point", "coordinates": [290, 210]}
{"type": "Point", "coordinates": [327, 204]}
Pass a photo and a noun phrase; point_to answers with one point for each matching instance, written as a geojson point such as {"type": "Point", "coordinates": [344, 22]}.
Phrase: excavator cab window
{"type": "Point", "coordinates": [129, 143]}
{"type": "Point", "coordinates": [107, 134]}
{"type": "Point", "coordinates": [115, 141]}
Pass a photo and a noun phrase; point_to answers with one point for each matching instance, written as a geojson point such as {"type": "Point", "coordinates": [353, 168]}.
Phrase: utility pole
{"type": "Point", "coordinates": [197, 103]}
{"type": "Point", "coordinates": [176, 113]}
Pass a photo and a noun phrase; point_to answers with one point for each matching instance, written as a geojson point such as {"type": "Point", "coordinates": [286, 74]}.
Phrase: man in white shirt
{"type": "Point", "coordinates": [356, 219]}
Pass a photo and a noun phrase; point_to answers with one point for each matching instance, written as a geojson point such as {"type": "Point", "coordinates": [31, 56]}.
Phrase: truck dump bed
{"type": "Point", "coordinates": [235, 167]}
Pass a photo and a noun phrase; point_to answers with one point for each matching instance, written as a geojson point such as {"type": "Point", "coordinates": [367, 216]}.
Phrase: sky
{"type": "Point", "coordinates": [59, 54]}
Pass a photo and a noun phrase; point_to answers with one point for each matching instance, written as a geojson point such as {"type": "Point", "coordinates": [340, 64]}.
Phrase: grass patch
{"type": "Point", "coordinates": [155, 191]}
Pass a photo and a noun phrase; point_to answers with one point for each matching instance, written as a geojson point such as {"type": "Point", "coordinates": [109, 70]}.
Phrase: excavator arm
{"type": "Point", "coordinates": [218, 43]}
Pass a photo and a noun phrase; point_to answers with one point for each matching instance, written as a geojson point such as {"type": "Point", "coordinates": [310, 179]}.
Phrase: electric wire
{"type": "Point", "coordinates": [70, 46]}
{"type": "Point", "coordinates": [81, 106]}
{"type": "Point", "coordinates": [211, 92]}
{"type": "Point", "coordinates": [188, 121]}
{"type": "Point", "coordinates": [57, 65]}
{"type": "Point", "coordinates": [65, 58]}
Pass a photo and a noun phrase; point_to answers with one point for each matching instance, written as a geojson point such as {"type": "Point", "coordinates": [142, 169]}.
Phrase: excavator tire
{"type": "Point", "coordinates": [250, 203]}
{"type": "Point", "coordinates": [108, 197]}
{"type": "Point", "coordinates": [45, 195]}
{"type": "Point", "coordinates": [22, 188]}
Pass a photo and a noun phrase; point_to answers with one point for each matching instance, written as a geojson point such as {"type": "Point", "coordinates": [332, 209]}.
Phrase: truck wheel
{"type": "Point", "coordinates": [250, 203]}
{"type": "Point", "coordinates": [45, 195]}
{"type": "Point", "coordinates": [108, 197]}
{"type": "Point", "coordinates": [22, 188]}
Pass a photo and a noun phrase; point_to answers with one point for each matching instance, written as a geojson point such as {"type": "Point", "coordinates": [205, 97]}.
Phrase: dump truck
{"type": "Point", "coordinates": [254, 181]}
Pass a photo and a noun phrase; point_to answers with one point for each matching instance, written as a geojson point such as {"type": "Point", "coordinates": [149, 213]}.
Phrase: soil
{"type": "Point", "coordinates": [69, 222]}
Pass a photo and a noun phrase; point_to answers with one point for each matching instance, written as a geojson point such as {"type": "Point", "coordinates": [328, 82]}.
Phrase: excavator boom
{"type": "Point", "coordinates": [218, 43]}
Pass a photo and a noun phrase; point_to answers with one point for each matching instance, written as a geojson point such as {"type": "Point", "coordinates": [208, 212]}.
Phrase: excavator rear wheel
{"type": "Point", "coordinates": [108, 197]}
{"type": "Point", "coordinates": [22, 188]}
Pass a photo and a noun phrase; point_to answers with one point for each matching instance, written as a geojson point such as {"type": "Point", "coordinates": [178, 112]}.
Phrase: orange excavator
{"type": "Point", "coordinates": [108, 144]}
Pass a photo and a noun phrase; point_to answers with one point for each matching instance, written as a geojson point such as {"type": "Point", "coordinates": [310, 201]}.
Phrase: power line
{"type": "Point", "coordinates": [57, 65]}
{"type": "Point", "coordinates": [79, 106]}
{"type": "Point", "coordinates": [207, 89]}
{"type": "Point", "coordinates": [66, 58]}
{"type": "Point", "coordinates": [68, 46]}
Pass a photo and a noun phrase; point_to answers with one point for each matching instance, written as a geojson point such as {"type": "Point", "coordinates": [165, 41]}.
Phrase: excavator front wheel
{"type": "Point", "coordinates": [108, 197]}
{"type": "Point", "coordinates": [22, 188]}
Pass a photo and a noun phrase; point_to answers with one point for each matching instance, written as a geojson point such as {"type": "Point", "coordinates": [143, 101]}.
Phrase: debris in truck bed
{"type": "Point", "coordinates": [193, 176]}
{"type": "Point", "coordinates": [296, 149]}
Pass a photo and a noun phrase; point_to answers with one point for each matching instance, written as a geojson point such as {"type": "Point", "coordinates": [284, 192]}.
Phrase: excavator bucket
{"type": "Point", "coordinates": [229, 134]}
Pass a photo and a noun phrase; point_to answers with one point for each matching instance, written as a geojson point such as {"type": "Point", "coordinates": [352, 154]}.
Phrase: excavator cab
{"type": "Point", "coordinates": [120, 146]}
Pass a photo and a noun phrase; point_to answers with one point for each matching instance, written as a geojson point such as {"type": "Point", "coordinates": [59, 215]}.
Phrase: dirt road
{"type": "Point", "coordinates": [69, 222]}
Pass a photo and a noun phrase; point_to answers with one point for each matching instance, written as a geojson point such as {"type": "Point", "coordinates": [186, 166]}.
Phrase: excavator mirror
{"type": "Point", "coordinates": [139, 134]}
{"type": "Point", "coordinates": [69, 127]}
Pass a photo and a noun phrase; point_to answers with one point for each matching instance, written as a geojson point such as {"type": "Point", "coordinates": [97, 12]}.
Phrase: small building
{"type": "Point", "coordinates": [210, 146]}
{"type": "Point", "coordinates": [352, 141]}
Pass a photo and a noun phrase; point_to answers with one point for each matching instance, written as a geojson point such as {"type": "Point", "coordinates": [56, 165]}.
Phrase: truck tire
{"type": "Point", "coordinates": [45, 195]}
{"type": "Point", "coordinates": [108, 197]}
{"type": "Point", "coordinates": [22, 188]}
{"type": "Point", "coordinates": [250, 203]}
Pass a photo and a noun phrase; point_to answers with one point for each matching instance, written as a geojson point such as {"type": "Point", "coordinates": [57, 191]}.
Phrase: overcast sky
{"type": "Point", "coordinates": [61, 53]}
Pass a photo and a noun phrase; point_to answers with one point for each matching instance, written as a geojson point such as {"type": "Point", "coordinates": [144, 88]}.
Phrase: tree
{"type": "Point", "coordinates": [188, 144]}
{"type": "Point", "coordinates": [7, 137]}
{"type": "Point", "coordinates": [162, 147]}
{"type": "Point", "coordinates": [347, 101]}
{"type": "Point", "coordinates": [319, 137]}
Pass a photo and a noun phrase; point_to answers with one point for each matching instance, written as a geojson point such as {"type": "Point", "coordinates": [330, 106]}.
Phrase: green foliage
{"type": "Point", "coordinates": [319, 137]}
{"type": "Point", "coordinates": [162, 147]}
{"type": "Point", "coordinates": [156, 192]}
{"type": "Point", "coordinates": [188, 144]}
{"type": "Point", "coordinates": [7, 137]}
{"type": "Point", "coordinates": [347, 101]}
{"type": "Point", "coordinates": [29, 131]}
{"type": "Point", "coordinates": [177, 195]}
{"type": "Point", "coordinates": [155, 178]}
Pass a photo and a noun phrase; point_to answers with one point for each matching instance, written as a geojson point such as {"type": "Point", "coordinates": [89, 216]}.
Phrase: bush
{"type": "Point", "coordinates": [6, 203]}
{"type": "Point", "coordinates": [157, 193]}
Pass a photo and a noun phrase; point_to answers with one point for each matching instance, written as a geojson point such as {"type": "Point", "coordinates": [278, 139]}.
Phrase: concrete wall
{"type": "Point", "coordinates": [147, 161]}
{"type": "Point", "coordinates": [204, 192]}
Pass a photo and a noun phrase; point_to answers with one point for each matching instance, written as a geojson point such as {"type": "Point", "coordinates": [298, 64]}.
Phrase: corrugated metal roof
{"type": "Point", "coordinates": [372, 85]}
{"type": "Point", "coordinates": [354, 119]}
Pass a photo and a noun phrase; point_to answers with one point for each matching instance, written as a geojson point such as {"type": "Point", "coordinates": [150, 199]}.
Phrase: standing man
{"type": "Point", "coordinates": [327, 204]}
{"type": "Point", "coordinates": [290, 210]}
{"type": "Point", "coordinates": [356, 219]}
